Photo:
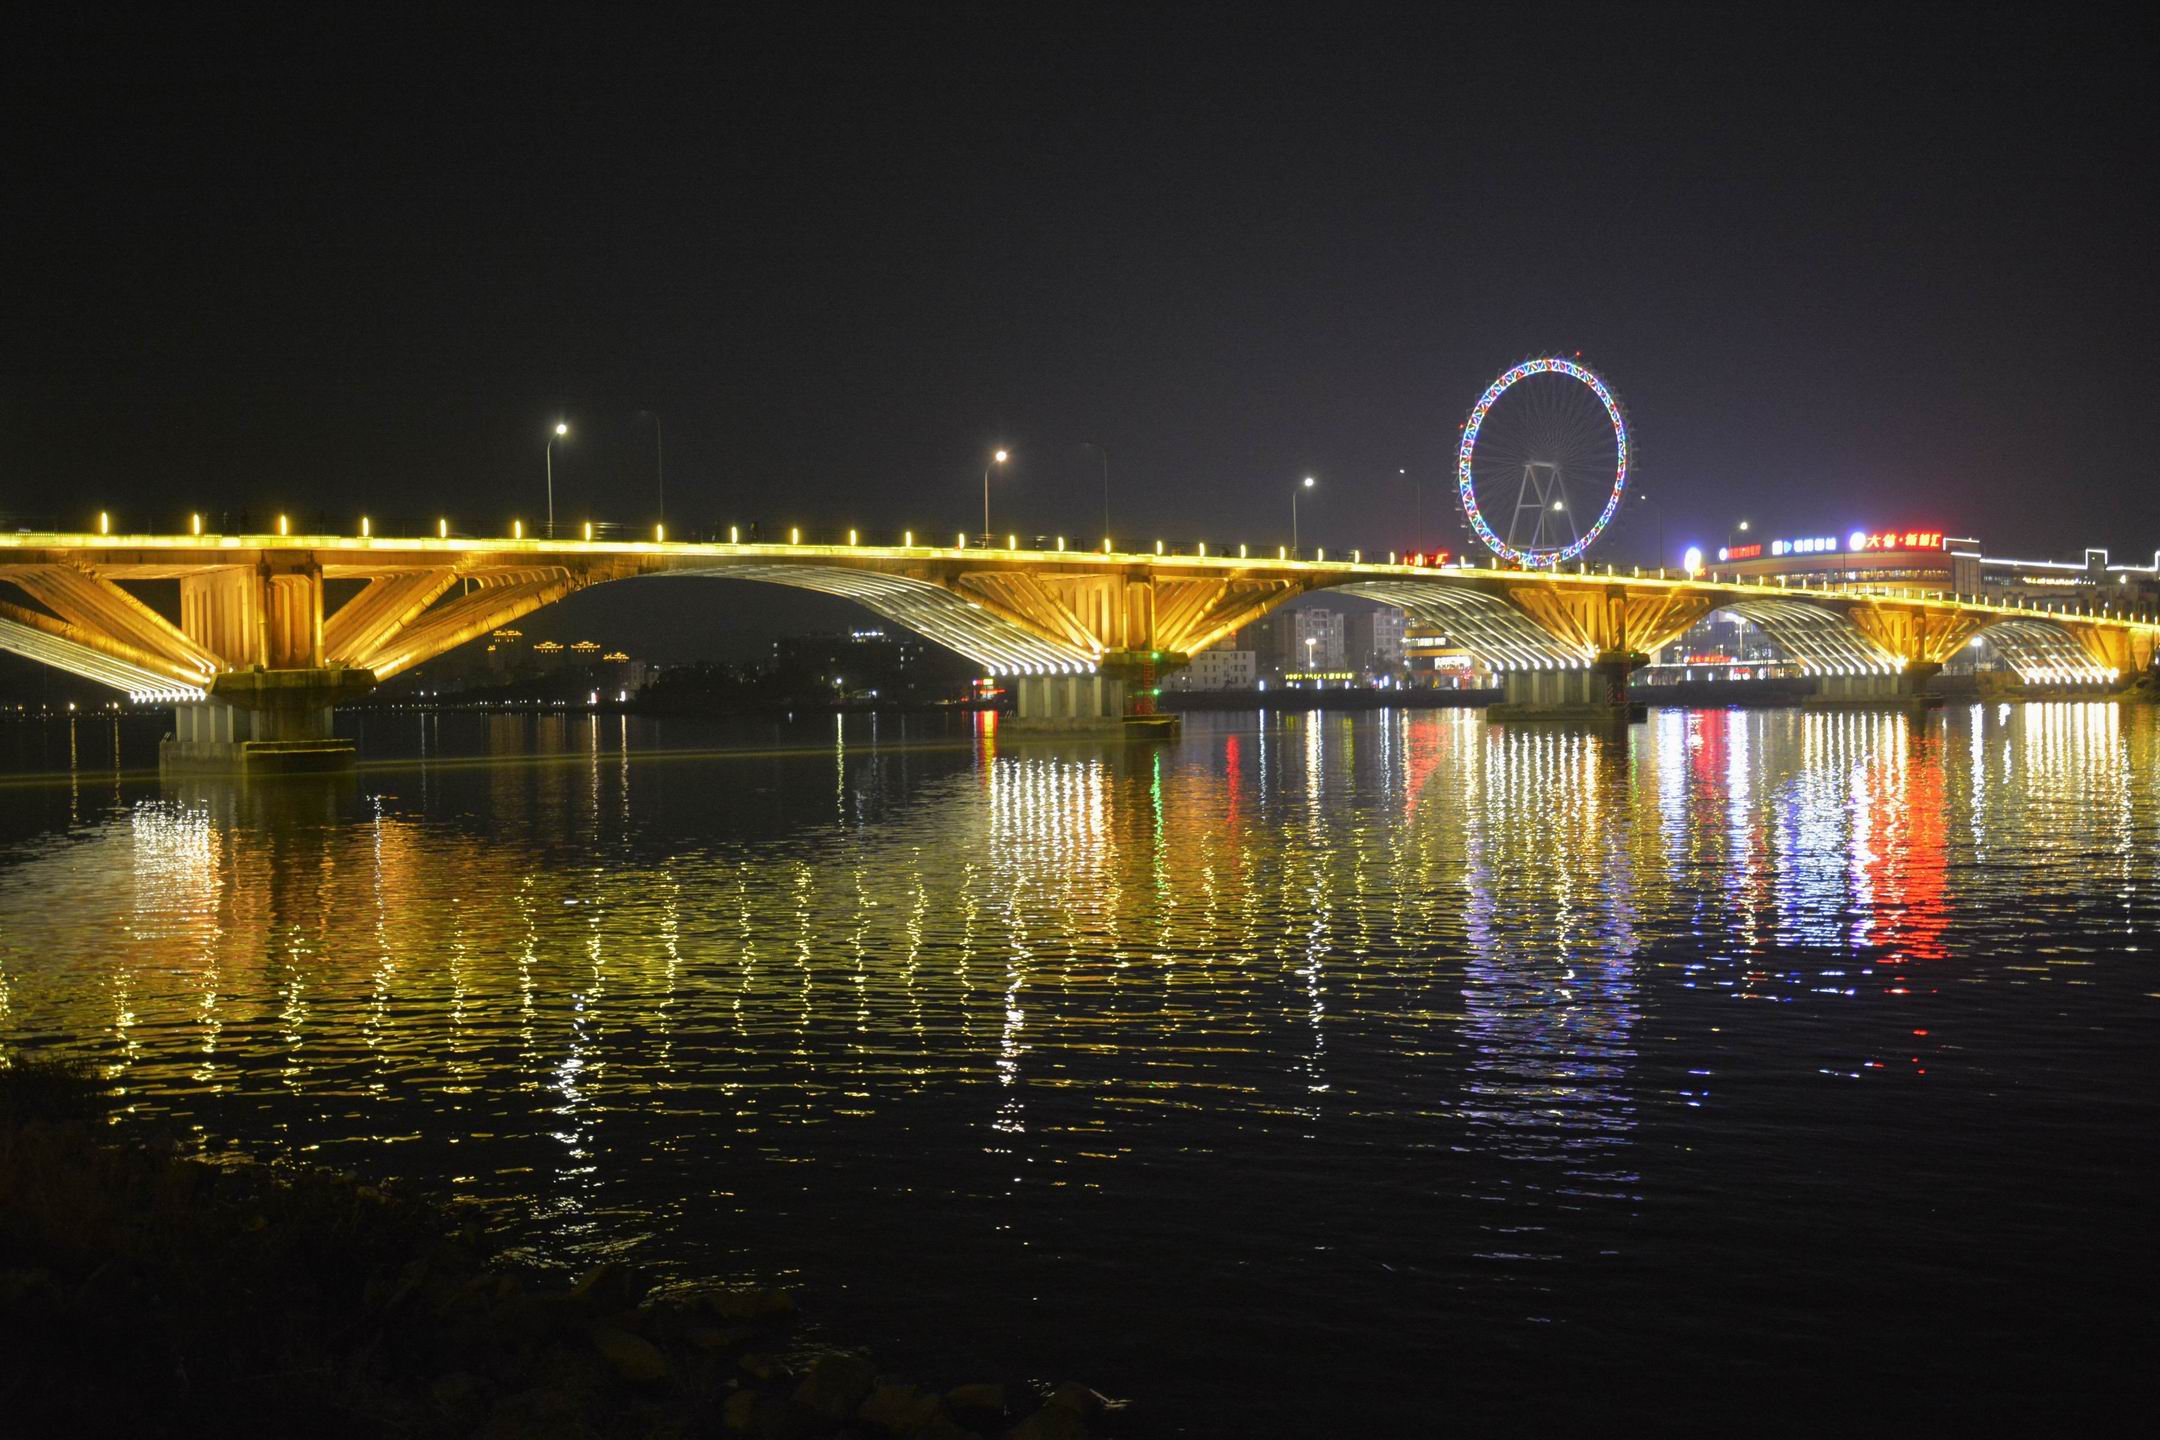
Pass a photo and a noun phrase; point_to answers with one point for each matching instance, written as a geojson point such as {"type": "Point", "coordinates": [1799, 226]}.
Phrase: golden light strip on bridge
{"type": "Point", "coordinates": [1003, 645]}
{"type": "Point", "coordinates": [1074, 559]}
{"type": "Point", "coordinates": [94, 665]}
{"type": "Point", "coordinates": [938, 614]}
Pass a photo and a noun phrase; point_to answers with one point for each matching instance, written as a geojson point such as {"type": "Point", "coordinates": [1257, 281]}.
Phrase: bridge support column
{"type": "Point", "coordinates": [1118, 700]}
{"type": "Point", "coordinates": [1071, 704]}
{"type": "Point", "coordinates": [1597, 692]}
{"type": "Point", "coordinates": [1912, 688]}
{"type": "Point", "coordinates": [260, 722]}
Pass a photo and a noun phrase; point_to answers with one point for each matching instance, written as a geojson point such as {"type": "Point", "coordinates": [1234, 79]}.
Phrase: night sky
{"type": "Point", "coordinates": [1845, 267]}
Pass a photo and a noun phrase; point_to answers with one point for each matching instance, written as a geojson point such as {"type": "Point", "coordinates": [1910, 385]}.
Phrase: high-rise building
{"type": "Point", "coordinates": [1376, 640]}
{"type": "Point", "coordinates": [1317, 641]}
{"type": "Point", "coordinates": [1272, 639]}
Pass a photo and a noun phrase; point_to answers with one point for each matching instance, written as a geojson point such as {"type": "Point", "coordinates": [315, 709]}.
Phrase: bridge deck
{"type": "Point", "coordinates": [257, 602]}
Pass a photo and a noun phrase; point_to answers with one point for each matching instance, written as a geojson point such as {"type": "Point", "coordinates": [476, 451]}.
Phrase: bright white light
{"type": "Point", "coordinates": [1308, 482]}
{"type": "Point", "coordinates": [1692, 560]}
{"type": "Point", "coordinates": [1001, 457]}
{"type": "Point", "coordinates": [561, 428]}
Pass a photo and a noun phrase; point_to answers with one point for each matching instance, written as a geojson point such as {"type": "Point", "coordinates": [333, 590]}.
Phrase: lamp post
{"type": "Point", "coordinates": [1305, 484]}
{"type": "Point", "coordinates": [997, 457]}
{"type": "Point", "coordinates": [1104, 451]}
{"type": "Point", "coordinates": [561, 429]}
{"type": "Point", "coordinates": [659, 461]}
{"type": "Point", "coordinates": [1417, 529]}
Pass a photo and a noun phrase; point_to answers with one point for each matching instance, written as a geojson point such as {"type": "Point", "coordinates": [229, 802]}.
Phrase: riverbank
{"type": "Point", "coordinates": [149, 1292]}
{"type": "Point", "coordinates": [1340, 698]}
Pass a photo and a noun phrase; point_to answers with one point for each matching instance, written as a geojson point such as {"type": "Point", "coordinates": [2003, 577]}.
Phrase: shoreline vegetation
{"type": "Point", "coordinates": [145, 1291]}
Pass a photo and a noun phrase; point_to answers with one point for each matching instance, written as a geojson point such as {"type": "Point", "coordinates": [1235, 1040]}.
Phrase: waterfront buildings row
{"type": "Point", "coordinates": [1929, 561]}
{"type": "Point", "coordinates": [1311, 644]}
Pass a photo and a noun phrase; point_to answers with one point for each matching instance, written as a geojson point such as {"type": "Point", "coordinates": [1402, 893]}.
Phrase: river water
{"type": "Point", "coordinates": [1313, 1075]}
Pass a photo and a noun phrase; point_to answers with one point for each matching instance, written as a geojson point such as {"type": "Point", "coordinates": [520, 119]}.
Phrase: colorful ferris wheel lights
{"type": "Point", "coordinates": [1466, 454]}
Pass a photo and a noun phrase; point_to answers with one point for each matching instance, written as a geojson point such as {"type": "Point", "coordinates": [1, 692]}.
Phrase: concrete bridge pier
{"type": "Point", "coordinates": [264, 722]}
{"type": "Point", "coordinates": [1116, 700]}
{"type": "Point", "coordinates": [1596, 693]}
{"type": "Point", "coordinates": [1912, 688]}
{"type": "Point", "coordinates": [1070, 704]}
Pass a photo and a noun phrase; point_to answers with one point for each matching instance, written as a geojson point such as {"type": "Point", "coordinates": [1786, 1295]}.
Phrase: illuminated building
{"type": "Point", "coordinates": [1919, 559]}
{"type": "Point", "coordinates": [2092, 578]}
{"type": "Point", "coordinates": [1438, 659]}
{"type": "Point", "coordinates": [1929, 561]}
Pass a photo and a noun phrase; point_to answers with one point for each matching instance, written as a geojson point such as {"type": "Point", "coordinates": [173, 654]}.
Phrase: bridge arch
{"type": "Point", "coordinates": [2042, 651]}
{"type": "Point", "coordinates": [976, 629]}
{"type": "Point", "coordinates": [1822, 640]}
{"type": "Point", "coordinates": [1484, 624]}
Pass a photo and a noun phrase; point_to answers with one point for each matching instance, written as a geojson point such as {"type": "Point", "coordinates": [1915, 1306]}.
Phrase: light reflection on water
{"type": "Point", "coordinates": [1403, 1043]}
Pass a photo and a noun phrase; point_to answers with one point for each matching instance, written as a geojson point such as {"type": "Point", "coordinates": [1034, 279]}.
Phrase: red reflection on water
{"type": "Point", "coordinates": [1908, 862]}
{"type": "Point", "coordinates": [1426, 737]}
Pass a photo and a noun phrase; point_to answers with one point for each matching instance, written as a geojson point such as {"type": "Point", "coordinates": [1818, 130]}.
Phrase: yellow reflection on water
{"type": "Point", "coordinates": [577, 969]}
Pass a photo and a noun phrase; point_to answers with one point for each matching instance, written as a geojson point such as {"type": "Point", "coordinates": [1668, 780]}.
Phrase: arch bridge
{"type": "Point", "coordinates": [255, 638]}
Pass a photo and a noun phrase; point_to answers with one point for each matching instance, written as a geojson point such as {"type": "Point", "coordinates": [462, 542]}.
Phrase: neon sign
{"type": "Point", "coordinates": [1863, 540]}
{"type": "Point", "coordinates": [1858, 543]}
{"type": "Point", "coordinates": [1739, 552]}
{"type": "Point", "coordinates": [1437, 557]}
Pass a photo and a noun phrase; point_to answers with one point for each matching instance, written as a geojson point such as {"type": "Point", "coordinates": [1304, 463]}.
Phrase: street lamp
{"type": "Point", "coordinates": [1104, 451]}
{"type": "Point", "coordinates": [659, 460]}
{"type": "Point", "coordinates": [997, 457]}
{"type": "Point", "coordinates": [1305, 484]}
{"type": "Point", "coordinates": [561, 429]}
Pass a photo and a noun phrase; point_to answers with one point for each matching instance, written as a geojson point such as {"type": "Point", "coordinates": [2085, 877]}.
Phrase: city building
{"type": "Point", "coordinates": [1317, 640]}
{"type": "Point", "coordinates": [1272, 639]}
{"type": "Point", "coordinates": [1434, 658]}
{"type": "Point", "coordinates": [1925, 561]}
{"type": "Point", "coordinates": [1376, 639]}
{"type": "Point", "coordinates": [2095, 577]}
{"type": "Point", "coordinates": [1929, 561]}
{"type": "Point", "coordinates": [1222, 668]}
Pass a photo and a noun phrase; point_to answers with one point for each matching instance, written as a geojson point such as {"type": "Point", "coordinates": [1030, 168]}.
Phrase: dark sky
{"type": "Point", "coordinates": [1846, 267]}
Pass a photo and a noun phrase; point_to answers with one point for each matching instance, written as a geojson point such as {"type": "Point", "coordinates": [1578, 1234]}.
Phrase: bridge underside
{"type": "Point", "coordinates": [277, 630]}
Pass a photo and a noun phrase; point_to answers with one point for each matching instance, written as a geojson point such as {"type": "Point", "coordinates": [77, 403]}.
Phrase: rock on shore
{"type": "Point", "coordinates": [147, 1293]}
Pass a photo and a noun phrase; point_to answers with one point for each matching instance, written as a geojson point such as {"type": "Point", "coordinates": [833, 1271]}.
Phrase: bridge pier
{"type": "Point", "coordinates": [1596, 693]}
{"type": "Point", "coordinates": [1115, 701]}
{"type": "Point", "coordinates": [264, 722]}
{"type": "Point", "coordinates": [1911, 688]}
{"type": "Point", "coordinates": [1070, 704]}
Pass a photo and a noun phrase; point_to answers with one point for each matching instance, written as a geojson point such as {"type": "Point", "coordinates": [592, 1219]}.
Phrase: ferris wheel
{"type": "Point", "coordinates": [1544, 451]}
